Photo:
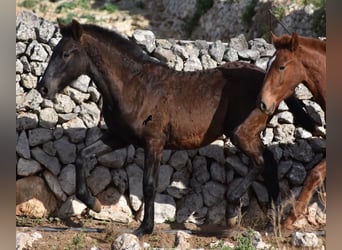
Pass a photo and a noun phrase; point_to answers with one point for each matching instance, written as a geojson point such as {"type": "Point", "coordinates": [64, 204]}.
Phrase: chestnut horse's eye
{"type": "Point", "coordinates": [281, 67]}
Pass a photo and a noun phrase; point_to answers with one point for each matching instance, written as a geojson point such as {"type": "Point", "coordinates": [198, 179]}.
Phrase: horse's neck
{"type": "Point", "coordinates": [315, 66]}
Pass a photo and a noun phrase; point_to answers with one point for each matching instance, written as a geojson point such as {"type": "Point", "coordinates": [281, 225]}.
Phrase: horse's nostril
{"type": "Point", "coordinates": [263, 106]}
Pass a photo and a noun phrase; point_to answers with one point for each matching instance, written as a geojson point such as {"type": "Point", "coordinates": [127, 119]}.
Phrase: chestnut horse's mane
{"type": "Point", "coordinates": [285, 41]}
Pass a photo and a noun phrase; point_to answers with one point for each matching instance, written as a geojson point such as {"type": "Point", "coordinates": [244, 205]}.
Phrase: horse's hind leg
{"type": "Point", "coordinates": [313, 180]}
{"type": "Point", "coordinates": [153, 153]}
{"type": "Point", "coordinates": [83, 164]}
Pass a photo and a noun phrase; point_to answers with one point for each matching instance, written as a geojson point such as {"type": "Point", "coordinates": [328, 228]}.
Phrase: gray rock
{"type": "Point", "coordinates": [25, 240]}
{"type": "Point", "coordinates": [26, 121]}
{"type": "Point", "coordinates": [164, 208]}
{"type": "Point", "coordinates": [25, 32]}
{"type": "Point", "coordinates": [50, 162]}
{"type": "Point", "coordinates": [28, 167]}
{"type": "Point", "coordinates": [19, 67]}
{"type": "Point", "coordinates": [284, 133]}
{"type": "Point", "coordinates": [48, 118]}
{"type": "Point", "coordinates": [45, 31]}
{"type": "Point", "coordinates": [39, 136]}
{"type": "Point", "coordinates": [217, 213]}
{"type": "Point", "coordinates": [213, 193]}
{"type": "Point", "coordinates": [120, 179]}
{"type": "Point", "coordinates": [302, 151]}
{"type": "Point", "coordinates": [235, 162]}
{"type": "Point", "coordinates": [192, 64]}
{"type": "Point", "coordinates": [94, 94]}
{"type": "Point", "coordinates": [297, 174]}
{"type": "Point", "coordinates": [135, 174]}
{"type": "Point", "coordinates": [249, 54]}
{"type": "Point", "coordinates": [216, 50]}
{"type": "Point", "coordinates": [188, 206]}
{"type": "Point", "coordinates": [283, 168]}
{"type": "Point", "coordinates": [54, 185]}
{"type": "Point", "coordinates": [38, 68]}
{"type": "Point", "coordinates": [127, 241]}
{"type": "Point", "coordinates": [208, 62]}
{"type": "Point", "coordinates": [165, 55]}
{"type": "Point", "coordinates": [218, 172]}
{"type": "Point", "coordinates": [179, 185]}
{"type": "Point", "coordinates": [67, 179]}
{"type": "Point", "coordinates": [267, 136]}
{"type": "Point", "coordinates": [99, 179]}
{"type": "Point", "coordinates": [26, 64]}
{"type": "Point", "coordinates": [178, 159]}
{"type": "Point", "coordinates": [215, 150]}
{"type": "Point", "coordinates": [303, 239]}
{"type": "Point", "coordinates": [29, 101]}
{"type": "Point", "coordinates": [90, 114]}
{"type": "Point", "coordinates": [71, 207]}
{"type": "Point", "coordinates": [285, 117]}
{"type": "Point", "coordinates": [302, 133]}
{"type": "Point", "coordinates": [145, 38]}
{"type": "Point", "coordinates": [114, 207]}
{"type": "Point", "coordinates": [22, 146]}
{"type": "Point", "coordinates": [93, 134]}
{"type": "Point", "coordinates": [66, 151]}
{"type": "Point", "coordinates": [302, 92]}
{"type": "Point", "coordinates": [200, 172]}
{"type": "Point", "coordinates": [64, 104]}
{"type": "Point", "coordinates": [238, 43]}
{"type": "Point", "coordinates": [77, 96]}
{"type": "Point", "coordinates": [114, 159]}
{"type": "Point", "coordinates": [231, 55]}
{"type": "Point", "coordinates": [20, 48]}
{"type": "Point", "coordinates": [81, 83]}
{"type": "Point", "coordinates": [37, 52]}
{"type": "Point", "coordinates": [75, 129]}
{"type": "Point", "coordinates": [165, 173]}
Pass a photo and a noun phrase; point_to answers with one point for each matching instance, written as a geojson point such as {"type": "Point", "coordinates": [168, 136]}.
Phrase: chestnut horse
{"type": "Point", "coordinates": [297, 60]}
{"type": "Point", "coordinates": [147, 104]}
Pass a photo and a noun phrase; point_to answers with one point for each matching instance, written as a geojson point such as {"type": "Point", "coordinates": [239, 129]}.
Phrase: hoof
{"type": "Point", "coordinates": [97, 206]}
{"type": "Point", "coordinates": [142, 231]}
{"type": "Point", "coordinates": [232, 221]}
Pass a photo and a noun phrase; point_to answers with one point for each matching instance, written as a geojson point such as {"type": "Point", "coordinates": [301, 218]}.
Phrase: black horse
{"type": "Point", "coordinates": [147, 104]}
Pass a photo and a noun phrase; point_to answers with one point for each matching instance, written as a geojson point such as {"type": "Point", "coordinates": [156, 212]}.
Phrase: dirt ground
{"type": "Point", "coordinates": [85, 232]}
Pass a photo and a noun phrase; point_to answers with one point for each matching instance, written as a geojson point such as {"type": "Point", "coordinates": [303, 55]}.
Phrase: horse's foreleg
{"type": "Point", "coordinates": [153, 153]}
{"type": "Point", "coordinates": [313, 180]}
{"type": "Point", "coordinates": [83, 164]}
{"type": "Point", "coordinates": [247, 138]}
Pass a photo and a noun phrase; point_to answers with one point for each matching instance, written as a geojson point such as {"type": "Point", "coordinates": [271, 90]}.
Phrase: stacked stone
{"type": "Point", "coordinates": [192, 184]}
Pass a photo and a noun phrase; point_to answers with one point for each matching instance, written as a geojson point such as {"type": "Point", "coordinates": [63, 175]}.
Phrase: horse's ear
{"type": "Point", "coordinates": [294, 41]}
{"type": "Point", "coordinates": [76, 29]}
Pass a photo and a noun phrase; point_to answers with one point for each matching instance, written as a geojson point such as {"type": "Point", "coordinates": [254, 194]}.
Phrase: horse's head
{"type": "Point", "coordinates": [68, 61]}
{"type": "Point", "coordinates": [284, 72]}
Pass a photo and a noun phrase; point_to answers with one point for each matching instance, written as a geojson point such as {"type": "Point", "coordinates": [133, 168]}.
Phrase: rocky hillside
{"type": "Point", "coordinates": [193, 19]}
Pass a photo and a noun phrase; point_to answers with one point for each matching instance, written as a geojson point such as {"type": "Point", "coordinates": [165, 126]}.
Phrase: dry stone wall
{"type": "Point", "coordinates": [192, 183]}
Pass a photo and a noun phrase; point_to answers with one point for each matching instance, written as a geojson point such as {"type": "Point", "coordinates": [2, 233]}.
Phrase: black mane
{"type": "Point", "coordinates": [124, 44]}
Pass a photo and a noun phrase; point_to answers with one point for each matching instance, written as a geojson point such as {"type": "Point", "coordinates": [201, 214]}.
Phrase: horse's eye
{"type": "Point", "coordinates": [281, 67]}
{"type": "Point", "coordinates": [66, 54]}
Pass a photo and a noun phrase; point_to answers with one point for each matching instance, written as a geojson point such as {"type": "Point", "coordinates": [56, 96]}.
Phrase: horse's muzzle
{"type": "Point", "coordinates": [267, 110]}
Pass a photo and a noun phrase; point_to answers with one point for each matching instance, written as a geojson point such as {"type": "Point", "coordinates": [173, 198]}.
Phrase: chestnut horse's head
{"type": "Point", "coordinates": [285, 71]}
{"type": "Point", "coordinates": [68, 61]}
